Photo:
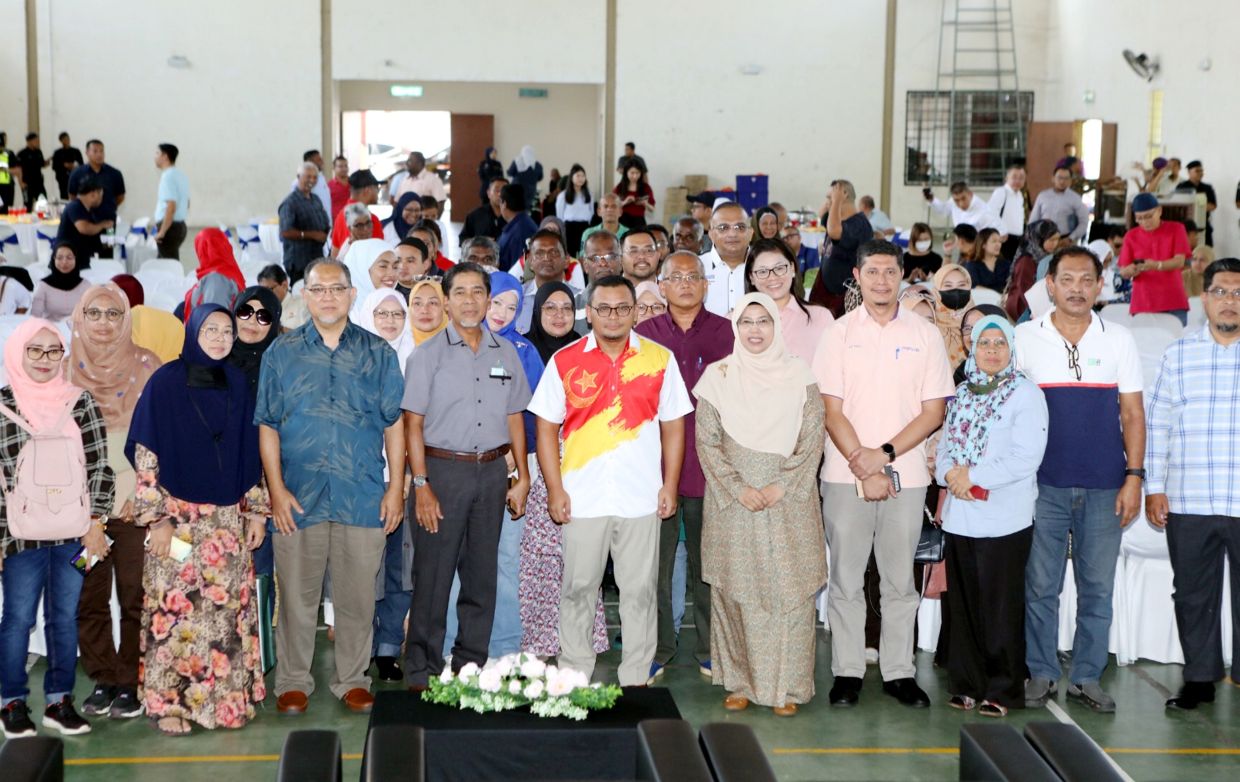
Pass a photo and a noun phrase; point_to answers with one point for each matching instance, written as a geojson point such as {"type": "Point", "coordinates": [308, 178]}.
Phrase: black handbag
{"type": "Point", "coordinates": [930, 546]}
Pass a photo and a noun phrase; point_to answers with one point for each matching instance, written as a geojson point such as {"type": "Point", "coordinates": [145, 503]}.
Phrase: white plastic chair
{"type": "Point", "coordinates": [107, 266]}
{"type": "Point", "coordinates": [986, 296]}
{"type": "Point", "coordinates": [1117, 313]}
{"type": "Point", "coordinates": [1158, 320]}
{"type": "Point", "coordinates": [1196, 314]}
{"type": "Point", "coordinates": [168, 267]}
{"type": "Point", "coordinates": [1152, 342]}
{"type": "Point", "coordinates": [162, 300]}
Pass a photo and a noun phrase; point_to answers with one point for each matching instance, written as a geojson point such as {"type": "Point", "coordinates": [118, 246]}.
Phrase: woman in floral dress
{"type": "Point", "coordinates": [195, 451]}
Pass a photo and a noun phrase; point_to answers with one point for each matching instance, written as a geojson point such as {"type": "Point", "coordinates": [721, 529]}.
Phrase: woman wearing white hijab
{"type": "Point", "coordinates": [759, 439]}
{"type": "Point", "coordinates": [372, 265]}
{"type": "Point", "coordinates": [383, 312]}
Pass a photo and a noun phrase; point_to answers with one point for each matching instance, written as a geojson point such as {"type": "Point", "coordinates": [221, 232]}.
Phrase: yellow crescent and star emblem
{"type": "Point", "coordinates": [581, 388]}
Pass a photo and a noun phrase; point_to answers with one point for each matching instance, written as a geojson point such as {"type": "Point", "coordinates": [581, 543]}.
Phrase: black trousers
{"type": "Point", "coordinates": [986, 592]}
{"type": "Point", "coordinates": [174, 237]}
{"type": "Point", "coordinates": [690, 511]}
{"type": "Point", "coordinates": [471, 498]}
{"type": "Point", "coordinates": [1198, 545]}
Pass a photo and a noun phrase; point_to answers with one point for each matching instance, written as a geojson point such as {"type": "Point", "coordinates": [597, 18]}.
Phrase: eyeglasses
{"type": "Point", "coordinates": [395, 315]}
{"type": "Point", "coordinates": [319, 291]}
{"type": "Point", "coordinates": [245, 312]}
{"type": "Point", "coordinates": [604, 258]}
{"type": "Point", "coordinates": [1074, 359]}
{"type": "Point", "coordinates": [660, 245]}
{"type": "Point", "coordinates": [654, 309]}
{"type": "Point", "coordinates": [1223, 293]}
{"type": "Point", "coordinates": [779, 271]}
{"type": "Point", "coordinates": [724, 228]}
{"type": "Point", "coordinates": [215, 333]}
{"type": "Point", "coordinates": [547, 255]}
{"type": "Point", "coordinates": [649, 249]}
{"type": "Point", "coordinates": [750, 323]}
{"type": "Point", "coordinates": [676, 279]}
{"type": "Point", "coordinates": [997, 343]}
{"type": "Point", "coordinates": [561, 309]}
{"type": "Point", "coordinates": [361, 224]}
{"type": "Point", "coordinates": [606, 310]}
{"type": "Point", "coordinates": [36, 353]}
{"type": "Point", "coordinates": [94, 314]}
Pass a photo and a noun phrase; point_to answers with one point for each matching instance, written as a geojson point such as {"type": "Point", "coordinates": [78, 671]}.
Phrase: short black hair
{"type": "Point", "coordinates": [274, 272]}
{"type": "Point", "coordinates": [547, 233]}
{"type": "Point", "coordinates": [334, 263]}
{"type": "Point", "coordinates": [631, 144]}
{"type": "Point", "coordinates": [309, 155]}
{"type": "Point", "coordinates": [878, 247]}
{"type": "Point", "coordinates": [337, 157]}
{"type": "Point", "coordinates": [89, 184]}
{"type": "Point", "coordinates": [170, 150]}
{"type": "Point", "coordinates": [495, 179]}
{"type": "Point", "coordinates": [1073, 251]}
{"type": "Point", "coordinates": [966, 232]}
{"type": "Point", "coordinates": [652, 227]}
{"type": "Point", "coordinates": [417, 244]}
{"type": "Point", "coordinates": [1222, 265]}
{"type": "Point", "coordinates": [1190, 226]}
{"type": "Point", "coordinates": [959, 187]}
{"type": "Point", "coordinates": [428, 225]}
{"type": "Point", "coordinates": [643, 231]}
{"type": "Point", "coordinates": [513, 196]}
{"type": "Point", "coordinates": [610, 281]}
{"type": "Point", "coordinates": [63, 135]}
{"type": "Point", "coordinates": [31, 135]}
{"type": "Point", "coordinates": [93, 142]}
{"type": "Point", "coordinates": [465, 267]}
{"type": "Point", "coordinates": [1057, 169]}
{"type": "Point", "coordinates": [429, 202]}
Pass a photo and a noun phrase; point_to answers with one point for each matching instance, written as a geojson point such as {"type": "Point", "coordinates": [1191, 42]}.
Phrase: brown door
{"type": "Point", "coordinates": [1044, 149]}
{"type": "Point", "coordinates": [471, 135]}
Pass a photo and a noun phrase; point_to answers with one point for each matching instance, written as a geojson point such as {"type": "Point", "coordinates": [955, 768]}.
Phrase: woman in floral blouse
{"type": "Point", "coordinates": [195, 450]}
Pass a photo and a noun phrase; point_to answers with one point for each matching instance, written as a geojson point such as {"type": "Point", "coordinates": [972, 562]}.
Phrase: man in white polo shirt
{"type": "Point", "coordinates": [730, 232]}
{"type": "Point", "coordinates": [1090, 480]}
{"type": "Point", "coordinates": [1007, 202]}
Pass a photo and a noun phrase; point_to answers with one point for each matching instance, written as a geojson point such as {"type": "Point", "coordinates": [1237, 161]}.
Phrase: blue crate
{"type": "Point", "coordinates": [752, 183]}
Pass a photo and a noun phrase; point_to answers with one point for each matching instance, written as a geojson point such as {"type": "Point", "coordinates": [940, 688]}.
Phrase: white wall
{"type": "Point", "coordinates": [13, 83]}
{"type": "Point", "coordinates": [241, 114]}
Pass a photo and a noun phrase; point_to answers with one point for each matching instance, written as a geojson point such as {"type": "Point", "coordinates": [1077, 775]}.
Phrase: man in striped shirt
{"type": "Point", "coordinates": [1192, 458]}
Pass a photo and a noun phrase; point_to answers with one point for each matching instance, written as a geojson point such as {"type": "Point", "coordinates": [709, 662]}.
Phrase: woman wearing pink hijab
{"type": "Point", "coordinates": [39, 537]}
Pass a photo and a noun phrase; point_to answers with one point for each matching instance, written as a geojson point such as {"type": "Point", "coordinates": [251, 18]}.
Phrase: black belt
{"type": "Point", "coordinates": [469, 456]}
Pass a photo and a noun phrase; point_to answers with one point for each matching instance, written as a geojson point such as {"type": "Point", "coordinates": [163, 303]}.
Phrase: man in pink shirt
{"type": "Point", "coordinates": [1153, 258]}
{"type": "Point", "coordinates": [884, 379]}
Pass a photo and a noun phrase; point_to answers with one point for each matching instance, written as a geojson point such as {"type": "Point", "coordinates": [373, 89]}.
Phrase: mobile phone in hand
{"type": "Point", "coordinates": [84, 561]}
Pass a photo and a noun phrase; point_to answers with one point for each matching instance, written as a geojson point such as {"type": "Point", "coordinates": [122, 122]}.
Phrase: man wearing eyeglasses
{"type": "Point", "coordinates": [618, 402]}
{"type": "Point", "coordinates": [1153, 258]}
{"type": "Point", "coordinates": [1089, 484]}
{"type": "Point", "coordinates": [600, 255]}
{"type": "Point", "coordinates": [1191, 490]}
{"type": "Point", "coordinates": [328, 411]}
{"type": "Point", "coordinates": [639, 256]}
{"type": "Point", "coordinates": [730, 232]}
{"type": "Point", "coordinates": [548, 259]}
{"type": "Point", "coordinates": [697, 339]}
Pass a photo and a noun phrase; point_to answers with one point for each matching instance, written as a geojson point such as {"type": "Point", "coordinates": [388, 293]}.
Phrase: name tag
{"type": "Point", "coordinates": [499, 373]}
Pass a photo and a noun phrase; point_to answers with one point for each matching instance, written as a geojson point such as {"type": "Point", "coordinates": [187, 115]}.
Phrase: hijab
{"type": "Point", "coordinates": [420, 336]}
{"type": "Point", "coordinates": [502, 282]}
{"type": "Point", "coordinates": [544, 343]}
{"type": "Point", "coordinates": [399, 227]}
{"type": "Point", "coordinates": [917, 292]}
{"type": "Point", "coordinates": [649, 286]}
{"type": "Point", "coordinates": [215, 256]}
{"type": "Point", "coordinates": [555, 224]}
{"type": "Point", "coordinates": [361, 256]}
{"type": "Point", "coordinates": [1036, 234]}
{"type": "Point", "coordinates": [947, 319]}
{"type": "Point", "coordinates": [64, 281]}
{"type": "Point", "coordinates": [249, 357]}
{"type": "Point", "coordinates": [114, 372]}
{"type": "Point", "coordinates": [132, 287]}
{"type": "Point", "coordinates": [197, 418]}
{"type": "Point", "coordinates": [403, 344]}
{"type": "Point", "coordinates": [526, 159]}
{"type": "Point", "coordinates": [41, 404]}
{"type": "Point", "coordinates": [979, 398]}
{"type": "Point", "coordinates": [760, 396]}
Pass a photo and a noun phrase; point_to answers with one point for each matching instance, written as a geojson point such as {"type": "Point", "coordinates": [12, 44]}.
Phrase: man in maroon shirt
{"type": "Point", "coordinates": [697, 339]}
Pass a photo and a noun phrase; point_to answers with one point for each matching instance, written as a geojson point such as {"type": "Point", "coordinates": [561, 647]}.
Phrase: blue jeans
{"type": "Point", "coordinates": [1089, 514]}
{"type": "Point", "coordinates": [506, 626]}
{"type": "Point", "coordinates": [391, 610]}
{"type": "Point", "coordinates": [45, 572]}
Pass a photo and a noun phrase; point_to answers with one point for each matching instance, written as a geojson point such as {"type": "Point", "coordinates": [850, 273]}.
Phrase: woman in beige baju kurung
{"type": "Point", "coordinates": [760, 439]}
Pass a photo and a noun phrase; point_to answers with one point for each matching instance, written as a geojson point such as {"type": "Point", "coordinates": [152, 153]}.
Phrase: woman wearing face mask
{"type": "Point", "coordinates": [1040, 242]}
{"type": "Point", "coordinates": [759, 437]}
{"type": "Point", "coordinates": [58, 293]}
{"type": "Point", "coordinates": [771, 269]}
{"type": "Point", "coordinates": [955, 291]}
{"type": "Point", "coordinates": [104, 360]}
{"type": "Point", "coordinates": [372, 265]}
{"type": "Point", "coordinates": [34, 569]}
{"type": "Point", "coordinates": [920, 262]}
{"type": "Point", "coordinates": [194, 445]}
{"type": "Point", "coordinates": [993, 440]}
{"type": "Point", "coordinates": [987, 268]}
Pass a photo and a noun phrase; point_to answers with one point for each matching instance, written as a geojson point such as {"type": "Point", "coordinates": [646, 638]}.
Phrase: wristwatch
{"type": "Point", "coordinates": [890, 450]}
{"type": "Point", "coordinates": [419, 481]}
{"type": "Point", "coordinates": [1135, 472]}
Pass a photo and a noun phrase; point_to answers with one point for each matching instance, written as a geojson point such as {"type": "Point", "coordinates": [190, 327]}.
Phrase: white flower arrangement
{"type": "Point", "coordinates": [518, 680]}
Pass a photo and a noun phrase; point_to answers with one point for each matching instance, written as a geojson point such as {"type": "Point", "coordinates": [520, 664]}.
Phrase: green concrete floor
{"type": "Point", "coordinates": [877, 740]}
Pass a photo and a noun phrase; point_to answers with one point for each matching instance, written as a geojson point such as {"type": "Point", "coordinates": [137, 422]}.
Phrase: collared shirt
{"type": "Point", "coordinates": [302, 212]}
{"type": "Point", "coordinates": [1066, 209]}
{"type": "Point", "coordinates": [586, 234]}
{"type": "Point", "coordinates": [879, 221]}
{"type": "Point", "coordinates": [1156, 290]}
{"type": "Point", "coordinates": [1085, 442]}
{"type": "Point", "coordinates": [465, 396]}
{"type": "Point", "coordinates": [611, 413]}
{"type": "Point", "coordinates": [113, 186]}
{"type": "Point", "coordinates": [330, 408]}
{"type": "Point", "coordinates": [324, 193]}
{"type": "Point", "coordinates": [709, 339]}
{"type": "Point", "coordinates": [883, 374]}
{"type": "Point", "coordinates": [85, 246]}
{"type": "Point", "coordinates": [727, 285]}
{"type": "Point", "coordinates": [802, 332]}
{"type": "Point", "coordinates": [979, 214]}
{"type": "Point", "coordinates": [1192, 433]}
{"type": "Point", "coordinates": [173, 186]}
{"type": "Point", "coordinates": [1009, 206]}
{"type": "Point", "coordinates": [425, 183]}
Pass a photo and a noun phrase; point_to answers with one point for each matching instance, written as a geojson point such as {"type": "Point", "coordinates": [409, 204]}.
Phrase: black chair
{"type": "Point", "coordinates": [990, 752]}
{"type": "Point", "coordinates": [310, 756]}
{"type": "Point", "coordinates": [1073, 755]}
{"type": "Point", "coordinates": [666, 752]}
{"type": "Point", "coordinates": [733, 753]}
{"type": "Point", "coordinates": [33, 759]}
{"type": "Point", "coordinates": [394, 752]}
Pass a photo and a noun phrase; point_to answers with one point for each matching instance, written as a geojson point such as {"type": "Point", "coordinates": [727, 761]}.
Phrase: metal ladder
{"type": "Point", "coordinates": [980, 129]}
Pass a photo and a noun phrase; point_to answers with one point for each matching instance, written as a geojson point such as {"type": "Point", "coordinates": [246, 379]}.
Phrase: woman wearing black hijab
{"type": "Point", "coordinates": [258, 313]}
{"type": "Point", "coordinates": [57, 294]}
{"type": "Point", "coordinates": [554, 321]}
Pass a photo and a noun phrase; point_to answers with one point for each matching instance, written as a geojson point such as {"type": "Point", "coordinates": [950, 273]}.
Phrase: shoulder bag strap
{"type": "Point", "coordinates": [17, 419]}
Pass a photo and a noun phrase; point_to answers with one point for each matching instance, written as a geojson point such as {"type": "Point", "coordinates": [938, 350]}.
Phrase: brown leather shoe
{"type": "Point", "coordinates": [292, 702]}
{"type": "Point", "coordinates": [787, 710]}
{"type": "Point", "coordinates": [735, 702]}
{"type": "Point", "coordinates": [358, 700]}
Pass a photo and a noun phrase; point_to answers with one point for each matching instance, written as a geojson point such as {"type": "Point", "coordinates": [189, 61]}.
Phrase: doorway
{"type": "Point", "coordinates": [382, 140]}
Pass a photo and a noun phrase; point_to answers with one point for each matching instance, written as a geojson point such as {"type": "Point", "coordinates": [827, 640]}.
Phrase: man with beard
{"type": "Point", "coordinates": [639, 256]}
{"type": "Point", "coordinates": [548, 259]}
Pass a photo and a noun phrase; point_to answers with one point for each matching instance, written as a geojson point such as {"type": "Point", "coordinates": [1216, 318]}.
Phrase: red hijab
{"type": "Point", "coordinates": [215, 256]}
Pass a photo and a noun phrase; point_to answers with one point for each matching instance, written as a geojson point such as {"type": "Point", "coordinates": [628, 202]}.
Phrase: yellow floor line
{"type": "Point", "coordinates": [187, 759]}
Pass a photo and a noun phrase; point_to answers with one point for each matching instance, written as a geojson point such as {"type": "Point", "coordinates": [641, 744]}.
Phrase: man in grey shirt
{"type": "Point", "coordinates": [465, 392]}
{"type": "Point", "coordinates": [1062, 205]}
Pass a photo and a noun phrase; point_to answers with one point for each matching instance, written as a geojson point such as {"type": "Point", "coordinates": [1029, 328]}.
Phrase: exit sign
{"type": "Point", "coordinates": [531, 92]}
{"type": "Point", "coordinates": [405, 90]}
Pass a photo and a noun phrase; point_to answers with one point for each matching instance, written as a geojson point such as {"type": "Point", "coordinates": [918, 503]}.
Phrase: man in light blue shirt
{"type": "Point", "coordinates": [171, 203]}
{"type": "Point", "coordinates": [320, 184]}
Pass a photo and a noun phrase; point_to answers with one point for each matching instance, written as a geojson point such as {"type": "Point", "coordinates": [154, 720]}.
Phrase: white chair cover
{"type": "Point", "coordinates": [986, 296]}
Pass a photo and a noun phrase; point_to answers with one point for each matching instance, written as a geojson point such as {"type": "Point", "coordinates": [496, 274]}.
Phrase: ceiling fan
{"type": "Point", "coordinates": [1142, 64]}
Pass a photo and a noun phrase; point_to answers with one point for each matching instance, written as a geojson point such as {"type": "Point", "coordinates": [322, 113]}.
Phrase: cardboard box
{"type": "Point", "coordinates": [675, 203]}
{"type": "Point", "coordinates": [695, 183]}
